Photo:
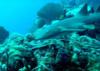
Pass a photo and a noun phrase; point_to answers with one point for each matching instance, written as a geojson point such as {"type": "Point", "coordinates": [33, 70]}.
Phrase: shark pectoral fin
{"type": "Point", "coordinates": [63, 29]}
{"type": "Point", "coordinates": [89, 27]}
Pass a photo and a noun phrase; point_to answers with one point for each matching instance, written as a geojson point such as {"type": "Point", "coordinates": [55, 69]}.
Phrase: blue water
{"type": "Point", "coordinates": [18, 15]}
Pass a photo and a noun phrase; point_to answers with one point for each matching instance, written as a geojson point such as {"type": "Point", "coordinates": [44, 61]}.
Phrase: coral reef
{"type": "Point", "coordinates": [51, 11]}
{"type": "Point", "coordinates": [21, 53]}
{"type": "Point", "coordinates": [62, 45]}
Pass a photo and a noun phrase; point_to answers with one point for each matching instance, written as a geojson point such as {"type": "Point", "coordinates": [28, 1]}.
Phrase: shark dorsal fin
{"type": "Point", "coordinates": [84, 10]}
{"type": "Point", "coordinates": [98, 9]}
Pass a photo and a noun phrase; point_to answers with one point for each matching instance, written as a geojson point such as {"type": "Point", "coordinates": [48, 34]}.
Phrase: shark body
{"type": "Point", "coordinates": [80, 21]}
{"type": "Point", "coordinates": [73, 24]}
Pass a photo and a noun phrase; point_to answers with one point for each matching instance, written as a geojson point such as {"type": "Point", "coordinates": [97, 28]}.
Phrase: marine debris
{"type": "Point", "coordinates": [62, 45]}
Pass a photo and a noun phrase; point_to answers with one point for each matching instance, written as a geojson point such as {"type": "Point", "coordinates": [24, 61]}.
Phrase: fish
{"type": "Point", "coordinates": [68, 25]}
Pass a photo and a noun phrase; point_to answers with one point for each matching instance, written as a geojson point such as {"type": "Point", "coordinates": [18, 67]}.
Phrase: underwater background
{"type": "Point", "coordinates": [49, 35]}
{"type": "Point", "coordinates": [18, 15]}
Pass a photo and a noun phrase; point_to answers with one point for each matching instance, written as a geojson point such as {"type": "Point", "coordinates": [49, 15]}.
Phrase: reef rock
{"type": "Point", "coordinates": [3, 34]}
{"type": "Point", "coordinates": [20, 54]}
{"type": "Point", "coordinates": [51, 11]}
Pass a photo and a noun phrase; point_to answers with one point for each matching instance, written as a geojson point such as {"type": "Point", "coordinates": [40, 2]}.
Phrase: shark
{"type": "Point", "coordinates": [76, 23]}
